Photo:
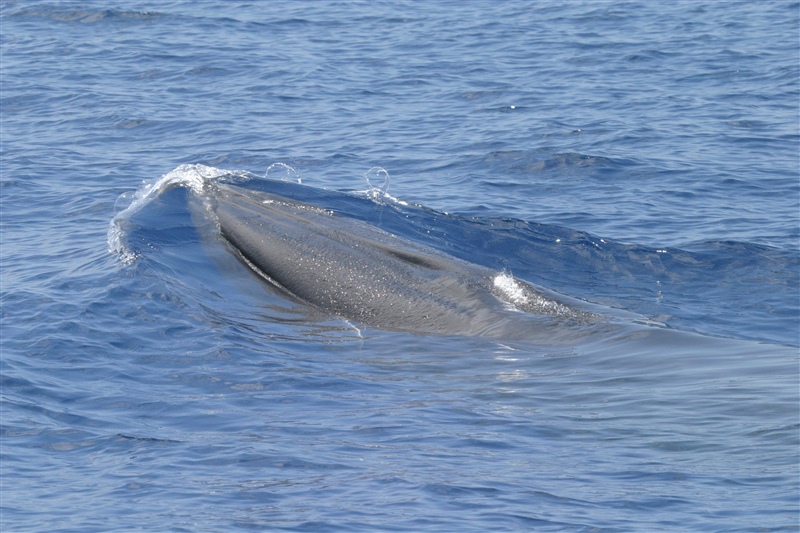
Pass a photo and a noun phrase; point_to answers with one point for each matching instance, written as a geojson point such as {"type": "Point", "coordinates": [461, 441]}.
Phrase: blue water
{"type": "Point", "coordinates": [639, 156]}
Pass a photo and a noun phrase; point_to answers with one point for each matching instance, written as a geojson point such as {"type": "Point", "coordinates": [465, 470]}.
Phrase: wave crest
{"type": "Point", "coordinates": [191, 176]}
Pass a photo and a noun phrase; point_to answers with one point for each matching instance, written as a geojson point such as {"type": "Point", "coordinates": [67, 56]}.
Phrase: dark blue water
{"type": "Point", "coordinates": [638, 156]}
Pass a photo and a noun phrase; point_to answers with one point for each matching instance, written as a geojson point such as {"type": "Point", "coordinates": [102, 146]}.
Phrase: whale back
{"type": "Point", "coordinates": [358, 271]}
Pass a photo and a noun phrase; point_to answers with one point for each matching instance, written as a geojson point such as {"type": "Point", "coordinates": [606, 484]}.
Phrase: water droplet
{"type": "Point", "coordinates": [282, 172]}
{"type": "Point", "coordinates": [378, 182]}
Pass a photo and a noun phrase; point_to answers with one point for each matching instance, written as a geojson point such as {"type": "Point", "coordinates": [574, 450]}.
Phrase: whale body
{"type": "Point", "coordinates": [359, 272]}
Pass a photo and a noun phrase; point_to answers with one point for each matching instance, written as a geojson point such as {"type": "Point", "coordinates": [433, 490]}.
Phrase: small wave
{"type": "Point", "coordinates": [89, 16]}
{"type": "Point", "coordinates": [545, 160]}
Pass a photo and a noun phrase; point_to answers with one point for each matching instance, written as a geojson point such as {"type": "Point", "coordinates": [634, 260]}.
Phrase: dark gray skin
{"type": "Point", "coordinates": [359, 272]}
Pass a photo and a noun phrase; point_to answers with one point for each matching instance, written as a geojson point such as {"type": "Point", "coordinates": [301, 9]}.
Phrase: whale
{"type": "Point", "coordinates": [363, 274]}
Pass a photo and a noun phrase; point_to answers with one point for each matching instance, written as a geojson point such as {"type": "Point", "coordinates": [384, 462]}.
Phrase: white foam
{"type": "Point", "coordinates": [515, 293]}
{"type": "Point", "coordinates": [522, 297]}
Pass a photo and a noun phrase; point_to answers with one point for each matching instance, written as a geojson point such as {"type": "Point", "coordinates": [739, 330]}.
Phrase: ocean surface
{"type": "Point", "coordinates": [641, 157]}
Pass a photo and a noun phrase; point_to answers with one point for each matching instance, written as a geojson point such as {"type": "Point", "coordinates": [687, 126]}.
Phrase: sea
{"type": "Point", "coordinates": [640, 157]}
